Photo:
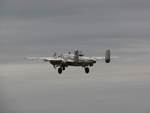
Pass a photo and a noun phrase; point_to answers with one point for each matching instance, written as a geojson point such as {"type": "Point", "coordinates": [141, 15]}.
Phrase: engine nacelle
{"type": "Point", "coordinates": [107, 56]}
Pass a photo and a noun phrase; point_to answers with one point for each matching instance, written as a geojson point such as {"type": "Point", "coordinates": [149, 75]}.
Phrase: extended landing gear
{"type": "Point", "coordinates": [60, 70]}
{"type": "Point", "coordinates": [87, 70]}
{"type": "Point", "coordinates": [63, 68]}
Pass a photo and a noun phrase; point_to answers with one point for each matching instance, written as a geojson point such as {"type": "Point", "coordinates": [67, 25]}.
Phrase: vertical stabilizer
{"type": "Point", "coordinates": [107, 56]}
{"type": "Point", "coordinates": [76, 55]}
{"type": "Point", "coordinates": [55, 54]}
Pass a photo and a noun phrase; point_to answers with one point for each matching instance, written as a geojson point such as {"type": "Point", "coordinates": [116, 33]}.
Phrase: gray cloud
{"type": "Point", "coordinates": [35, 27]}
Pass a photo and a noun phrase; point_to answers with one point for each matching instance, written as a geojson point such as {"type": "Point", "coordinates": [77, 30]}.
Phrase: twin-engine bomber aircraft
{"type": "Point", "coordinates": [73, 59]}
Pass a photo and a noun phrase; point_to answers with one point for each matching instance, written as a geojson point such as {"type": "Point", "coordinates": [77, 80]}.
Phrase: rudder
{"type": "Point", "coordinates": [107, 56]}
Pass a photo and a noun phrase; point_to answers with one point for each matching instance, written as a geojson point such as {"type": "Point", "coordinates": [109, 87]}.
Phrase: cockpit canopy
{"type": "Point", "coordinates": [78, 53]}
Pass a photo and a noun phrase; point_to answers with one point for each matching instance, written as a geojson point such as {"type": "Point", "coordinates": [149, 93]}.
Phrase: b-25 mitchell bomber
{"type": "Point", "coordinates": [73, 59]}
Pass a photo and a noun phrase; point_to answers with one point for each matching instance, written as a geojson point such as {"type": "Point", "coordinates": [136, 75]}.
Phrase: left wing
{"type": "Point", "coordinates": [103, 58]}
{"type": "Point", "coordinates": [107, 57]}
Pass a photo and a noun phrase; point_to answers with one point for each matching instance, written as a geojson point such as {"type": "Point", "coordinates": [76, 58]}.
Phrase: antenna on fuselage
{"type": "Point", "coordinates": [76, 55]}
{"type": "Point", "coordinates": [55, 54]}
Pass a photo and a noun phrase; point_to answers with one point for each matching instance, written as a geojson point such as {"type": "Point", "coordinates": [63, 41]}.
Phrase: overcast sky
{"type": "Point", "coordinates": [40, 27]}
{"type": "Point", "coordinates": [35, 27]}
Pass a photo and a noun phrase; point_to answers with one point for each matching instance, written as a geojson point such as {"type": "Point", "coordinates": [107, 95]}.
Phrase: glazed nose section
{"type": "Point", "coordinates": [107, 56]}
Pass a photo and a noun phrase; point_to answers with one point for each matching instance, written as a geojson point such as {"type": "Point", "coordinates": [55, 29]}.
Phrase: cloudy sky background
{"type": "Point", "coordinates": [40, 27]}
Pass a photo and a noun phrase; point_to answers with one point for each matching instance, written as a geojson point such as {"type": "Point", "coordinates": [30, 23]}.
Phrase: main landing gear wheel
{"type": "Point", "coordinates": [87, 70]}
{"type": "Point", "coordinates": [63, 68]}
{"type": "Point", "coordinates": [60, 70]}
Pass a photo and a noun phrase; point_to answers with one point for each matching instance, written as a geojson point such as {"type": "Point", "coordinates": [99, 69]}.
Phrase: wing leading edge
{"type": "Point", "coordinates": [45, 59]}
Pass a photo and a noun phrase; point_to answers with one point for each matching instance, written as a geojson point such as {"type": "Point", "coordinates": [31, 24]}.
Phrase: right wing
{"type": "Point", "coordinates": [45, 59]}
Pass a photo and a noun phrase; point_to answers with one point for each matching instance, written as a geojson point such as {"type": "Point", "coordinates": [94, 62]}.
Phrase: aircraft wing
{"type": "Point", "coordinates": [98, 58]}
{"type": "Point", "coordinates": [102, 58]}
{"type": "Point", "coordinates": [45, 59]}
